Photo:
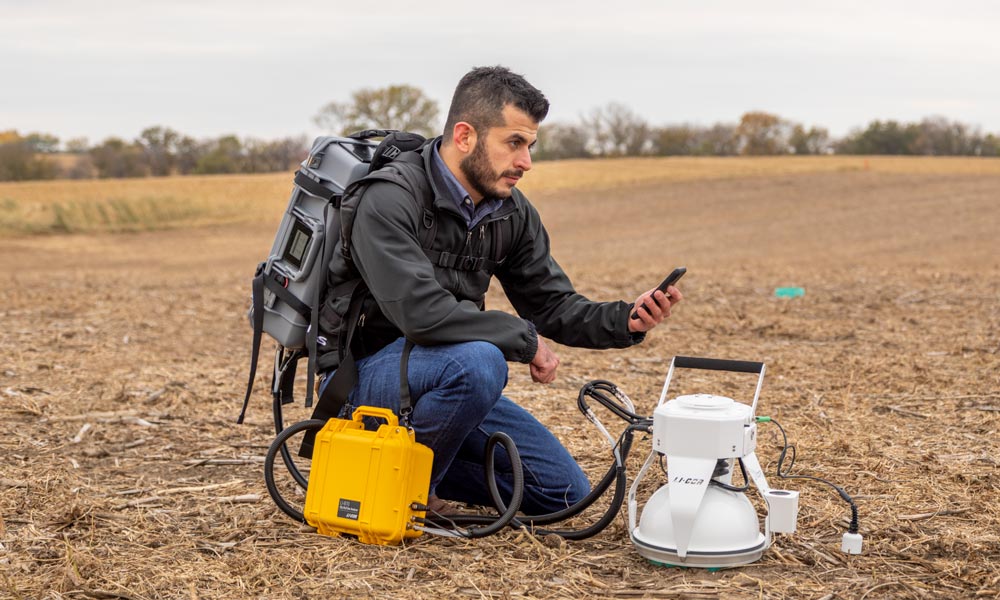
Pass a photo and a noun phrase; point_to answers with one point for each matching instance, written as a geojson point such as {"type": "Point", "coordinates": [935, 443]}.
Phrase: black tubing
{"type": "Point", "coordinates": [616, 501]}
{"type": "Point", "coordinates": [605, 520]}
{"type": "Point", "coordinates": [733, 488]}
{"type": "Point", "coordinates": [581, 534]}
{"type": "Point", "coordinates": [286, 456]}
{"type": "Point", "coordinates": [276, 446]}
{"type": "Point", "coordinates": [617, 474]}
{"type": "Point", "coordinates": [571, 511]}
{"type": "Point", "coordinates": [785, 473]}
{"type": "Point", "coordinates": [516, 494]}
{"type": "Point", "coordinates": [596, 389]}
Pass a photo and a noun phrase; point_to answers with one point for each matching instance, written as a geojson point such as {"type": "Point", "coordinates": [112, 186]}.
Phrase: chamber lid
{"type": "Point", "coordinates": [704, 402]}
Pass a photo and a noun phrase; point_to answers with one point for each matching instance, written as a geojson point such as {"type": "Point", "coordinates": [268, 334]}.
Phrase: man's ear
{"type": "Point", "coordinates": [464, 137]}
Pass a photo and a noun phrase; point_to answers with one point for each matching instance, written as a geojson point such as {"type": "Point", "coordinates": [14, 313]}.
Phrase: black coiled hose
{"type": "Point", "coordinates": [608, 395]}
{"type": "Point", "coordinates": [508, 513]}
{"type": "Point", "coordinates": [278, 446]}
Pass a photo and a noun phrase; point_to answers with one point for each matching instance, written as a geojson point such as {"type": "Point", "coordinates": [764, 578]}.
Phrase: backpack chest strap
{"type": "Point", "coordinates": [460, 262]}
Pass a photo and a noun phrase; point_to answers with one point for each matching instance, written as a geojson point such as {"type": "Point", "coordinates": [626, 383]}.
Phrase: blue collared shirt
{"type": "Point", "coordinates": [463, 201]}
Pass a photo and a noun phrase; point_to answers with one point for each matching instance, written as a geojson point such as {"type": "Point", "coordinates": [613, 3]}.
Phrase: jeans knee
{"type": "Point", "coordinates": [482, 370]}
{"type": "Point", "coordinates": [544, 499]}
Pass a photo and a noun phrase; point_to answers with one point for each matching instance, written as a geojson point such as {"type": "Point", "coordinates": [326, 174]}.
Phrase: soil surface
{"type": "Point", "coordinates": [123, 360]}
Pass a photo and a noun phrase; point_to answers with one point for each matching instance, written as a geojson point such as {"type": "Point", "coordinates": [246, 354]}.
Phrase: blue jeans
{"type": "Point", "coordinates": [458, 403]}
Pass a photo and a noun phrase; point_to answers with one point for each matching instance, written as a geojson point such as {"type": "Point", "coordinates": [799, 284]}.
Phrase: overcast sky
{"type": "Point", "coordinates": [263, 69]}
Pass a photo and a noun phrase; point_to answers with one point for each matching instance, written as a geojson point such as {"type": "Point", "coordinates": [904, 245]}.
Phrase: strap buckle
{"type": "Point", "coordinates": [404, 416]}
{"type": "Point", "coordinates": [471, 263]}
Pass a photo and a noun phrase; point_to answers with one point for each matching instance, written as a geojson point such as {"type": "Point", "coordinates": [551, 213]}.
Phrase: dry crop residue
{"type": "Point", "coordinates": [124, 359]}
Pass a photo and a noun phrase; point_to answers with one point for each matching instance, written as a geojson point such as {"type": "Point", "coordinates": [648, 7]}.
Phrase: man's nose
{"type": "Point", "coordinates": [523, 160]}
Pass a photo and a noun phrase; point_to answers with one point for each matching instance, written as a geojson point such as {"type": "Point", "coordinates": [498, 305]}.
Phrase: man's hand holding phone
{"type": "Point", "coordinates": [654, 306]}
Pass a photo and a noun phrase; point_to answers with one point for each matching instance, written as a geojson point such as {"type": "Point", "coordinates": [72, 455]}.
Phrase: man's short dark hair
{"type": "Point", "coordinates": [483, 92]}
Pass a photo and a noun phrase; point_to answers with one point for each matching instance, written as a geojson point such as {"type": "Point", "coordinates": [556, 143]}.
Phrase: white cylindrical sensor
{"type": "Point", "coordinates": [782, 510]}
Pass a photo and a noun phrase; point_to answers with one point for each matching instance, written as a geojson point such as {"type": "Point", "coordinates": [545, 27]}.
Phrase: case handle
{"type": "Point", "coordinates": [374, 411]}
{"type": "Point", "coordinates": [718, 364]}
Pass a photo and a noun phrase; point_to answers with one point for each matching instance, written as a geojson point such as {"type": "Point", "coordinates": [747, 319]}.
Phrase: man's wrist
{"type": "Point", "coordinates": [532, 347]}
{"type": "Point", "coordinates": [630, 338]}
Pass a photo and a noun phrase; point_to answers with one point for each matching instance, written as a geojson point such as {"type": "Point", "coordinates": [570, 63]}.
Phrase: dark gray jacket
{"type": "Point", "coordinates": [431, 304]}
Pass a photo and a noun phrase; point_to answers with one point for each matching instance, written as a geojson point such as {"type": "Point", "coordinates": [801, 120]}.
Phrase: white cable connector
{"type": "Point", "coordinates": [851, 543]}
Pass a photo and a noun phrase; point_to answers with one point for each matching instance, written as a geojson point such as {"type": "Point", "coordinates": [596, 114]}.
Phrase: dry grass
{"type": "Point", "coordinates": [124, 356]}
{"type": "Point", "coordinates": [170, 202]}
{"type": "Point", "coordinates": [141, 204]}
{"type": "Point", "coordinates": [611, 173]}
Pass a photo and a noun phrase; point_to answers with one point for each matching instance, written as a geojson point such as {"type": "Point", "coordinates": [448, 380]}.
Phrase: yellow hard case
{"type": "Point", "coordinates": [363, 482]}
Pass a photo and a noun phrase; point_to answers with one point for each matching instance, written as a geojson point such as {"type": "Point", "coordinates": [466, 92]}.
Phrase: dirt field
{"type": "Point", "coordinates": [124, 359]}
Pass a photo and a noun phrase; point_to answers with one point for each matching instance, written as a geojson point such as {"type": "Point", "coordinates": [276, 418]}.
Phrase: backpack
{"type": "Point", "coordinates": [291, 285]}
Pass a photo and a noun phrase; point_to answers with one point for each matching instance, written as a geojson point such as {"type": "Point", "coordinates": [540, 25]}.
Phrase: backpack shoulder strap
{"type": "Point", "coordinates": [405, 171]}
{"type": "Point", "coordinates": [257, 316]}
{"type": "Point", "coordinates": [409, 176]}
{"type": "Point", "coordinates": [503, 239]}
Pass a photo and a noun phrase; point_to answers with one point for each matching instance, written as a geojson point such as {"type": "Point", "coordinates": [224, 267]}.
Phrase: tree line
{"type": "Point", "coordinates": [613, 130]}
{"type": "Point", "coordinates": [158, 151]}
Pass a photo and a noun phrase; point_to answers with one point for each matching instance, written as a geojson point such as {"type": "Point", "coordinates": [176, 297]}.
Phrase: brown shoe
{"type": "Point", "coordinates": [439, 506]}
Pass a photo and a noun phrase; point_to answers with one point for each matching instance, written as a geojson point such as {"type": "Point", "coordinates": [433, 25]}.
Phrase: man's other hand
{"type": "Point", "coordinates": [543, 366]}
{"type": "Point", "coordinates": [657, 307]}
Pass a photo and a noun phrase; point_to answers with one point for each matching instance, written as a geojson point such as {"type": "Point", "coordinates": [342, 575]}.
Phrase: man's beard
{"type": "Point", "coordinates": [482, 177]}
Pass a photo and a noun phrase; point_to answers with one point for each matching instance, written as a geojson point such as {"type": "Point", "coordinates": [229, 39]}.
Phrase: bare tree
{"type": "Point", "coordinates": [615, 130]}
{"type": "Point", "coordinates": [268, 156]}
{"type": "Point", "coordinates": [941, 137]}
{"type": "Point", "coordinates": [561, 140]}
{"type": "Point", "coordinates": [159, 146]}
{"type": "Point", "coordinates": [718, 140]}
{"type": "Point", "coordinates": [401, 107]}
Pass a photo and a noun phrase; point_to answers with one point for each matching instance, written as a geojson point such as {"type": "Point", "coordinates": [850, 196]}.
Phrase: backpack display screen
{"type": "Point", "coordinates": [298, 241]}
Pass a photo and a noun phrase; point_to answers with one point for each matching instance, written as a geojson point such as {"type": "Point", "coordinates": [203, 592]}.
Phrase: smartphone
{"type": "Point", "coordinates": [671, 279]}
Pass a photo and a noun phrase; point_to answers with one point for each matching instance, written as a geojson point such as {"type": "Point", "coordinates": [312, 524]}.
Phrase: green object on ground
{"type": "Point", "coordinates": [789, 292]}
